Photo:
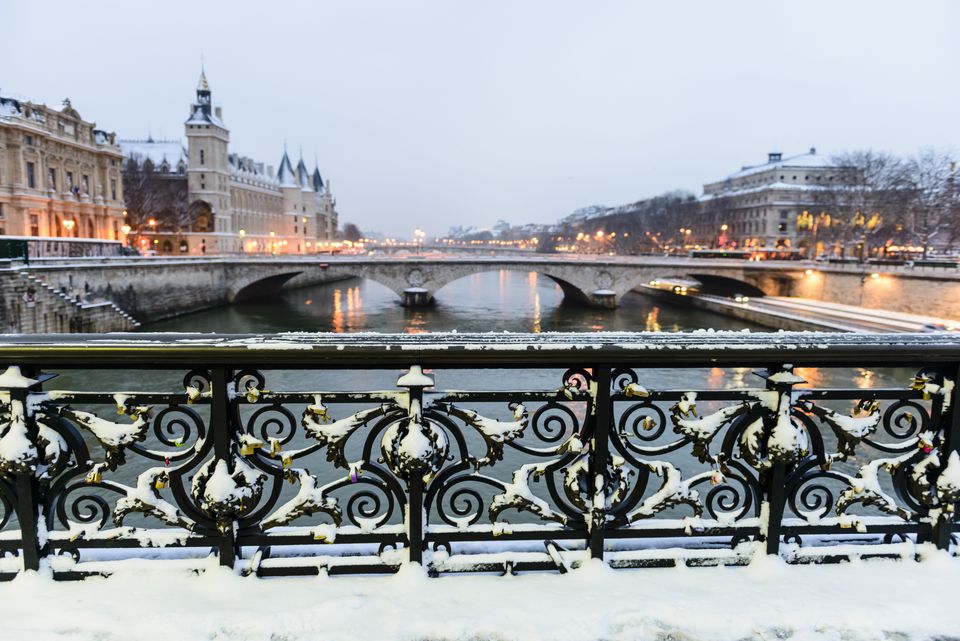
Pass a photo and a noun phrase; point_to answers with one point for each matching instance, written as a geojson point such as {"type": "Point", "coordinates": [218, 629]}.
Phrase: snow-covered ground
{"type": "Point", "coordinates": [857, 601]}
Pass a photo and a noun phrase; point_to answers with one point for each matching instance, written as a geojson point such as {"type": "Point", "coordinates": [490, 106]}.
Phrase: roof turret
{"type": "Point", "coordinates": [303, 176]}
{"type": "Point", "coordinates": [286, 176]}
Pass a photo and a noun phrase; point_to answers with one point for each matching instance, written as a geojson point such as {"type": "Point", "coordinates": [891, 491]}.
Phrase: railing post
{"type": "Point", "coordinates": [415, 518]}
{"type": "Point", "coordinates": [220, 429]}
{"type": "Point", "coordinates": [943, 528]}
{"type": "Point", "coordinates": [414, 471]}
{"type": "Point", "coordinates": [776, 499]}
{"type": "Point", "coordinates": [599, 449]}
{"type": "Point", "coordinates": [27, 489]}
{"type": "Point", "coordinates": [774, 478]}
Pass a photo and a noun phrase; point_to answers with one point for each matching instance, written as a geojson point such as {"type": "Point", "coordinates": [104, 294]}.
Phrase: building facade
{"type": "Point", "coordinates": [59, 175]}
{"type": "Point", "coordinates": [233, 203]}
{"type": "Point", "coordinates": [764, 205]}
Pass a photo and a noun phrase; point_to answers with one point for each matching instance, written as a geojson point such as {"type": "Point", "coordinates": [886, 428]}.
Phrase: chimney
{"type": "Point", "coordinates": [270, 170]}
{"type": "Point", "coordinates": [774, 156]}
{"type": "Point", "coordinates": [219, 112]}
{"type": "Point", "coordinates": [813, 151]}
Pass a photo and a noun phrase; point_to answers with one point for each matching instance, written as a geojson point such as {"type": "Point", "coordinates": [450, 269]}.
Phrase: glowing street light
{"type": "Point", "coordinates": [125, 229]}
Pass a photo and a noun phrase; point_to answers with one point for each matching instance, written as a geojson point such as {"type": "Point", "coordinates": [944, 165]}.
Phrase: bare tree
{"type": "Point", "coordinates": [861, 201]}
{"type": "Point", "coordinates": [715, 220]}
{"type": "Point", "coordinates": [932, 203]}
{"type": "Point", "coordinates": [351, 232]}
{"type": "Point", "coordinates": [150, 194]}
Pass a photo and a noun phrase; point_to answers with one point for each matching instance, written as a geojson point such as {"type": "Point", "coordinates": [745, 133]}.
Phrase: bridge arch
{"type": "Point", "coordinates": [258, 286]}
{"type": "Point", "coordinates": [724, 282]}
{"type": "Point", "coordinates": [726, 286]}
{"type": "Point", "coordinates": [435, 280]}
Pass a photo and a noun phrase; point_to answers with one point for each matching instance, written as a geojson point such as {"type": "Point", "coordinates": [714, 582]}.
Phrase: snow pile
{"type": "Point", "coordinates": [224, 493]}
{"type": "Point", "coordinates": [12, 378]}
{"type": "Point", "coordinates": [18, 454]}
{"type": "Point", "coordinates": [145, 498]}
{"type": "Point", "coordinates": [111, 434]}
{"type": "Point", "coordinates": [766, 600]}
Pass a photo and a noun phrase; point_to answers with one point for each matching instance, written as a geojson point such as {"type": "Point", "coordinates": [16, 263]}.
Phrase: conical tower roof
{"type": "Point", "coordinates": [286, 176]}
{"type": "Point", "coordinates": [303, 176]}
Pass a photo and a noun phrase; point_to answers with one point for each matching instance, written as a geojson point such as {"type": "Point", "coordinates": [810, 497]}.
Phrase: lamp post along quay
{"type": "Point", "coordinates": [238, 454]}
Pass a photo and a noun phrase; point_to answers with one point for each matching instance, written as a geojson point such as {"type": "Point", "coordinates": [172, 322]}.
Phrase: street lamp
{"type": "Point", "coordinates": [419, 235]}
{"type": "Point", "coordinates": [69, 224]}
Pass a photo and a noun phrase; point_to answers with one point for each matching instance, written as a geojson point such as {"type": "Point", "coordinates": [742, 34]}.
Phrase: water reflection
{"type": "Point", "coordinates": [653, 324]}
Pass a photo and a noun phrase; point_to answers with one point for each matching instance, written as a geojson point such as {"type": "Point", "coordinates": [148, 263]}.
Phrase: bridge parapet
{"type": "Point", "coordinates": [291, 473]}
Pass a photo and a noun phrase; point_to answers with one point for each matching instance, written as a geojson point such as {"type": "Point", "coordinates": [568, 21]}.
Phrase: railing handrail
{"type": "Point", "coordinates": [454, 350]}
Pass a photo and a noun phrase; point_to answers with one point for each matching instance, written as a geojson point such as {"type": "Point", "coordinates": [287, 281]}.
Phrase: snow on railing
{"type": "Point", "coordinates": [305, 453]}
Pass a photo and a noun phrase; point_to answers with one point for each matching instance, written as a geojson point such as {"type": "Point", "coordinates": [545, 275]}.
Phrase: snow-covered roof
{"type": "Point", "coordinates": [286, 176]}
{"type": "Point", "coordinates": [244, 167]}
{"type": "Point", "coordinates": [809, 160]}
{"type": "Point", "coordinates": [10, 108]}
{"type": "Point", "coordinates": [201, 116]}
{"type": "Point", "coordinates": [303, 176]}
{"type": "Point", "coordinates": [157, 151]}
{"type": "Point", "coordinates": [765, 187]}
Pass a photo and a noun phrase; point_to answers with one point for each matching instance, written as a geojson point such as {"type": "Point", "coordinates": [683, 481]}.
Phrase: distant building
{"type": "Point", "coordinates": [759, 205]}
{"type": "Point", "coordinates": [232, 203]}
{"type": "Point", "coordinates": [584, 214]}
{"type": "Point", "coordinates": [59, 174]}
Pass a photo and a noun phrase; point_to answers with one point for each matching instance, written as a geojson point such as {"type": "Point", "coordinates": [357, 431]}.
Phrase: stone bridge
{"type": "Point", "coordinates": [154, 288]}
{"type": "Point", "coordinates": [595, 283]}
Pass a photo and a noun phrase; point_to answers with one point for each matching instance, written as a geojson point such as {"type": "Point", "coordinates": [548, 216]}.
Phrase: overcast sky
{"type": "Point", "coordinates": [439, 113]}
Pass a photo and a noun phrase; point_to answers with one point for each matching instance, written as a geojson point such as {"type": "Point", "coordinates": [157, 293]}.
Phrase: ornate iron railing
{"type": "Point", "coordinates": [296, 454]}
